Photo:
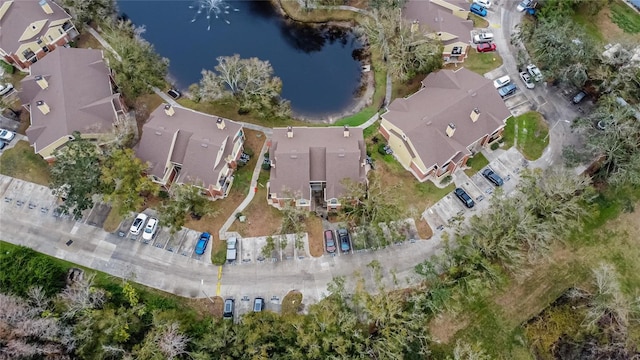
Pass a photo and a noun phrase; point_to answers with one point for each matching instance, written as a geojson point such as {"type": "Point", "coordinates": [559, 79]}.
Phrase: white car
{"type": "Point", "coordinates": [138, 224]}
{"type": "Point", "coordinates": [484, 3]}
{"type": "Point", "coordinates": [150, 229]}
{"type": "Point", "coordinates": [6, 135]}
{"type": "Point", "coordinates": [6, 88]}
{"type": "Point", "coordinates": [524, 4]}
{"type": "Point", "coordinates": [501, 81]}
{"type": "Point", "coordinates": [526, 79]}
{"type": "Point", "coordinates": [483, 38]}
{"type": "Point", "coordinates": [534, 72]}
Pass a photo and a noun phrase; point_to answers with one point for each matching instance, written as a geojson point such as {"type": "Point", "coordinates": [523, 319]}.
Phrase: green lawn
{"type": "Point", "coordinates": [22, 163]}
{"type": "Point", "coordinates": [531, 137]}
{"type": "Point", "coordinates": [626, 18]}
{"type": "Point", "coordinates": [476, 163]}
{"type": "Point", "coordinates": [478, 21]}
{"type": "Point", "coordinates": [480, 63]}
{"type": "Point", "coordinates": [586, 20]}
{"type": "Point", "coordinates": [432, 193]}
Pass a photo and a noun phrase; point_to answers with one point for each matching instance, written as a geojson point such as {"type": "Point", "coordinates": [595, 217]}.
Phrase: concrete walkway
{"type": "Point", "coordinates": [168, 99]}
{"type": "Point", "coordinates": [253, 188]}
{"type": "Point", "coordinates": [103, 42]}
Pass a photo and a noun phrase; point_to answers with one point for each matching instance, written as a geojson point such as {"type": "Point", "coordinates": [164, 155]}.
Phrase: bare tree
{"type": "Point", "coordinates": [171, 341]}
{"type": "Point", "coordinates": [38, 297]}
{"type": "Point", "coordinates": [466, 351]}
{"type": "Point", "coordinates": [82, 296]}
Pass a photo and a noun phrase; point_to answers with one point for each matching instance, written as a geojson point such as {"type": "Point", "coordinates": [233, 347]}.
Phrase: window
{"type": "Point", "coordinates": [301, 202]}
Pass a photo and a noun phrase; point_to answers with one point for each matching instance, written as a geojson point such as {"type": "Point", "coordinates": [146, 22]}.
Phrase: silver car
{"type": "Point", "coordinates": [526, 79]}
{"type": "Point", "coordinates": [6, 135]}
{"type": "Point", "coordinates": [5, 88]}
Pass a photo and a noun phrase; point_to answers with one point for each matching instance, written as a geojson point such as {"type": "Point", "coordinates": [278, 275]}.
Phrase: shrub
{"type": "Point", "coordinates": [446, 180]}
{"type": "Point", "coordinates": [381, 149]}
{"type": "Point", "coordinates": [248, 151]}
{"type": "Point", "coordinates": [8, 68]}
{"type": "Point", "coordinates": [495, 146]}
{"type": "Point", "coordinates": [22, 268]}
{"type": "Point", "coordinates": [266, 166]}
{"type": "Point", "coordinates": [220, 256]}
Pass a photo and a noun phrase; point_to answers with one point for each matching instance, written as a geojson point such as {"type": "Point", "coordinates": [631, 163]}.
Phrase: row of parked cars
{"type": "Point", "coordinates": [330, 243]}
{"type": "Point", "coordinates": [490, 175]}
{"type": "Point", "coordinates": [229, 305]}
{"type": "Point", "coordinates": [505, 87]}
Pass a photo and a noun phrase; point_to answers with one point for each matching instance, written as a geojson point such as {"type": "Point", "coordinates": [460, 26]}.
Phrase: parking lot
{"type": "Point", "coordinates": [449, 209]}
{"type": "Point", "coordinates": [29, 199]}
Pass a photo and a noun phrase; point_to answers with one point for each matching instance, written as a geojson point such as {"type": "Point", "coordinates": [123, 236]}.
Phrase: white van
{"type": "Point", "coordinates": [485, 37]}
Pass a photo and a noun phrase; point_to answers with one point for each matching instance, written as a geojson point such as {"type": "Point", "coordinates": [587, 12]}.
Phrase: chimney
{"type": "Point", "coordinates": [46, 7]}
{"type": "Point", "coordinates": [346, 131]}
{"type": "Point", "coordinates": [168, 109]}
{"type": "Point", "coordinates": [42, 82]}
{"type": "Point", "coordinates": [220, 123]}
{"type": "Point", "coordinates": [475, 114]}
{"type": "Point", "coordinates": [450, 129]}
{"type": "Point", "coordinates": [289, 132]}
{"type": "Point", "coordinates": [44, 108]}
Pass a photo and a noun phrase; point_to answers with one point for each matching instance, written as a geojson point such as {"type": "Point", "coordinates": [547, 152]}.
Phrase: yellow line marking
{"type": "Point", "coordinates": [219, 282]}
{"type": "Point", "coordinates": [219, 272]}
{"type": "Point", "coordinates": [495, 26]}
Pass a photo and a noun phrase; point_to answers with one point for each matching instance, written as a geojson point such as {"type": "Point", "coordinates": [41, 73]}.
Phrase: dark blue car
{"type": "Point", "coordinates": [201, 246]}
{"type": "Point", "coordinates": [478, 10]}
{"type": "Point", "coordinates": [345, 245]}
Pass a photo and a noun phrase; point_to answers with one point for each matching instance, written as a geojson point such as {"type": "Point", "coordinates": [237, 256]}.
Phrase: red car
{"type": "Point", "coordinates": [329, 241]}
{"type": "Point", "coordinates": [486, 47]}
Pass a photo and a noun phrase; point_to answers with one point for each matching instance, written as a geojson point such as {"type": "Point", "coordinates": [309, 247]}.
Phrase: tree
{"type": "Point", "coordinates": [164, 341]}
{"type": "Point", "coordinates": [370, 202]}
{"type": "Point", "coordinates": [405, 47]}
{"type": "Point", "coordinates": [124, 180]}
{"type": "Point", "coordinates": [185, 199]}
{"type": "Point", "coordinates": [249, 81]}
{"type": "Point", "coordinates": [617, 140]}
{"type": "Point", "coordinates": [135, 64]}
{"type": "Point", "coordinates": [22, 268]}
{"type": "Point", "coordinates": [466, 351]}
{"type": "Point", "coordinates": [75, 175]}
{"type": "Point", "coordinates": [86, 10]}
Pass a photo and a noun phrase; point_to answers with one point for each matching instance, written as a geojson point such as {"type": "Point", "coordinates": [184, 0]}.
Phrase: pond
{"type": "Point", "coordinates": [318, 67]}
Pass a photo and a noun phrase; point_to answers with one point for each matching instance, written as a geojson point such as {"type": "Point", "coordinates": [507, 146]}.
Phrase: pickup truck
{"type": "Point", "coordinates": [231, 249]}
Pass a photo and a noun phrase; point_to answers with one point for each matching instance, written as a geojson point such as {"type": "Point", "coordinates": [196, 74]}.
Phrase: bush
{"type": "Point", "coordinates": [248, 151]}
{"type": "Point", "coordinates": [495, 146]}
{"type": "Point", "coordinates": [381, 149]}
{"type": "Point", "coordinates": [266, 166]}
{"type": "Point", "coordinates": [8, 68]}
{"type": "Point", "coordinates": [446, 180]}
{"type": "Point", "coordinates": [22, 268]}
{"type": "Point", "coordinates": [220, 256]}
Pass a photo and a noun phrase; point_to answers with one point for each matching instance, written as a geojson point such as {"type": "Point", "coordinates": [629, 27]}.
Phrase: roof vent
{"type": "Point", "coordinates": [204, 145]}
{"type": "Point", "coordinates": [451, 129]}
{"type": "Point", "coordinates": [43, 107]}
{"type": "Point", "coordinates": [220, 123]}
{"type": "Point", "coordinates": [290, 133]}
{"type": "Point", "coordinates": [168, 109]}
{"type": "Point", "coordinates": [42, 82]}
{"type": "Point", "coordinates": [158, 133]}
{"type": "Point", "coordinates": [345, 133]}
{"type": "Point", "coordinates": [475, 114]}
{"type": "Point", "coordinates": [46, 7]}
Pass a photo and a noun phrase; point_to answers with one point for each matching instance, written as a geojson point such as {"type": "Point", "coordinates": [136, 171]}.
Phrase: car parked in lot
{"type": "Point", "coordinates": [138, 224]}
{"type": "Point", "coordinates": [478, 10]}
{"type": "Point", "coordinates": [343, 234]}
{"type": "Point", "coordinates": [486, 47]}
{"type": "Point", "coordinates": [6, 135]}
{"type": "Point", "coordinates": [2, 145]}
{"type": "Point", "coordinates": [501, 81]}
{"type": "Point", "coordinates": [202, 243]}
{"type": "Point", "coordinates": [577, 99]}
{"type": "Point", "coordinates": [485, 37]}
{"type": "Point", "coordinates": [484, 3]}
{"type": "Point", "coordinates": [258, 304]}
{"type": "Point", "coordinates": [5, 88]}
{"type": "Point", "coordinates": [464, 197]}
{"type": "Point", "coordinates": [526, 79]}
{"type": "Point", "coordinates": [329, 241]}
{"type": "Point", "coordinates": [151, 229]}
{"type": "Point", "coordinates": [493, 177]}
{"type": "Point", "coordinates": [227, 313]}
{"type": "Point", "coordinates": [534, 72]}
{"type": "Point", "coordinates": [507, 90]}
{"type": "Point", "coordinates": [174, 93]}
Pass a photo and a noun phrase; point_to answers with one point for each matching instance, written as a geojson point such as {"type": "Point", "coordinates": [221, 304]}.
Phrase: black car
{"type": "Point", "coordinates": [228, 309]}
{"type": "Point", "coordinates": [464, 197]}
{"type": "Point", "coordinates": [493, 177]}
{"type": "Point", "coordinates": [345, 245]}
{"type": "Point", "coordinates": [174, 93]}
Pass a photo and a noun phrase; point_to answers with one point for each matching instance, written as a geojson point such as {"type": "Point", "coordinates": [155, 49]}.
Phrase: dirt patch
{"type": "Point", "coordinates": [610, 31]}
{"type": "Point", "coordinates": [314, 228]}
{"type": "Point", "coordinates": [87, 41]}
{"type": "Point", "coordinates": [445, 326]}
{"type": "Point", "coordinates": [292, 303]}
{"type": "Point", "coordinates": [207, 307]}
{"type": "Point", "coordinates": [424, 230]}
{"type": "Point", "coordinates": [262, 219]}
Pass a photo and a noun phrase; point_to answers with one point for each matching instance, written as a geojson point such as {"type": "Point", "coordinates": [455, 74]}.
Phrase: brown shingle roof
{"type": "Point", "coordinates": [448, 97]}
{"type": "Point", "coordinates": [197, 143]}
{"type": "Point", "coordinates": [438, 19]}
{"type": "Point", "coordinates": [79, 96]}
{"type": "Point", "coordinates": [19, 15]}
{"type": "Point", "coordinates": [316, 154]}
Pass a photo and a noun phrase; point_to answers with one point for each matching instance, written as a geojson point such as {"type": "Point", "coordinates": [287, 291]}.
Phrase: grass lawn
{"type": "Point", "coordinates": [406, 88]}
{"type": "Point", "coordinates": [313, 226]}
{"type": "Point", "coordinates": [586, 20]}
{"type": "Point", "coordinates": [262, 218]}
{"type": "Point", "coordinates": [113, 220]}
{"type": "Point", "coordinates": [480, 63]}
{"type": "Point", "coordinates": [626, 18]}
{"type": "Point", "coordinates": [476, 163]}
{"type": "Point", "coordinates": [22, 163]}
{"type": "Point", "coordinates": [86, 41]}
{"type": "Point", "coordinates": [478, 21]}
{"type": "Point", "coordinates": [531, 138]}
{"type": "Point", "coordinates": [291, 303]}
